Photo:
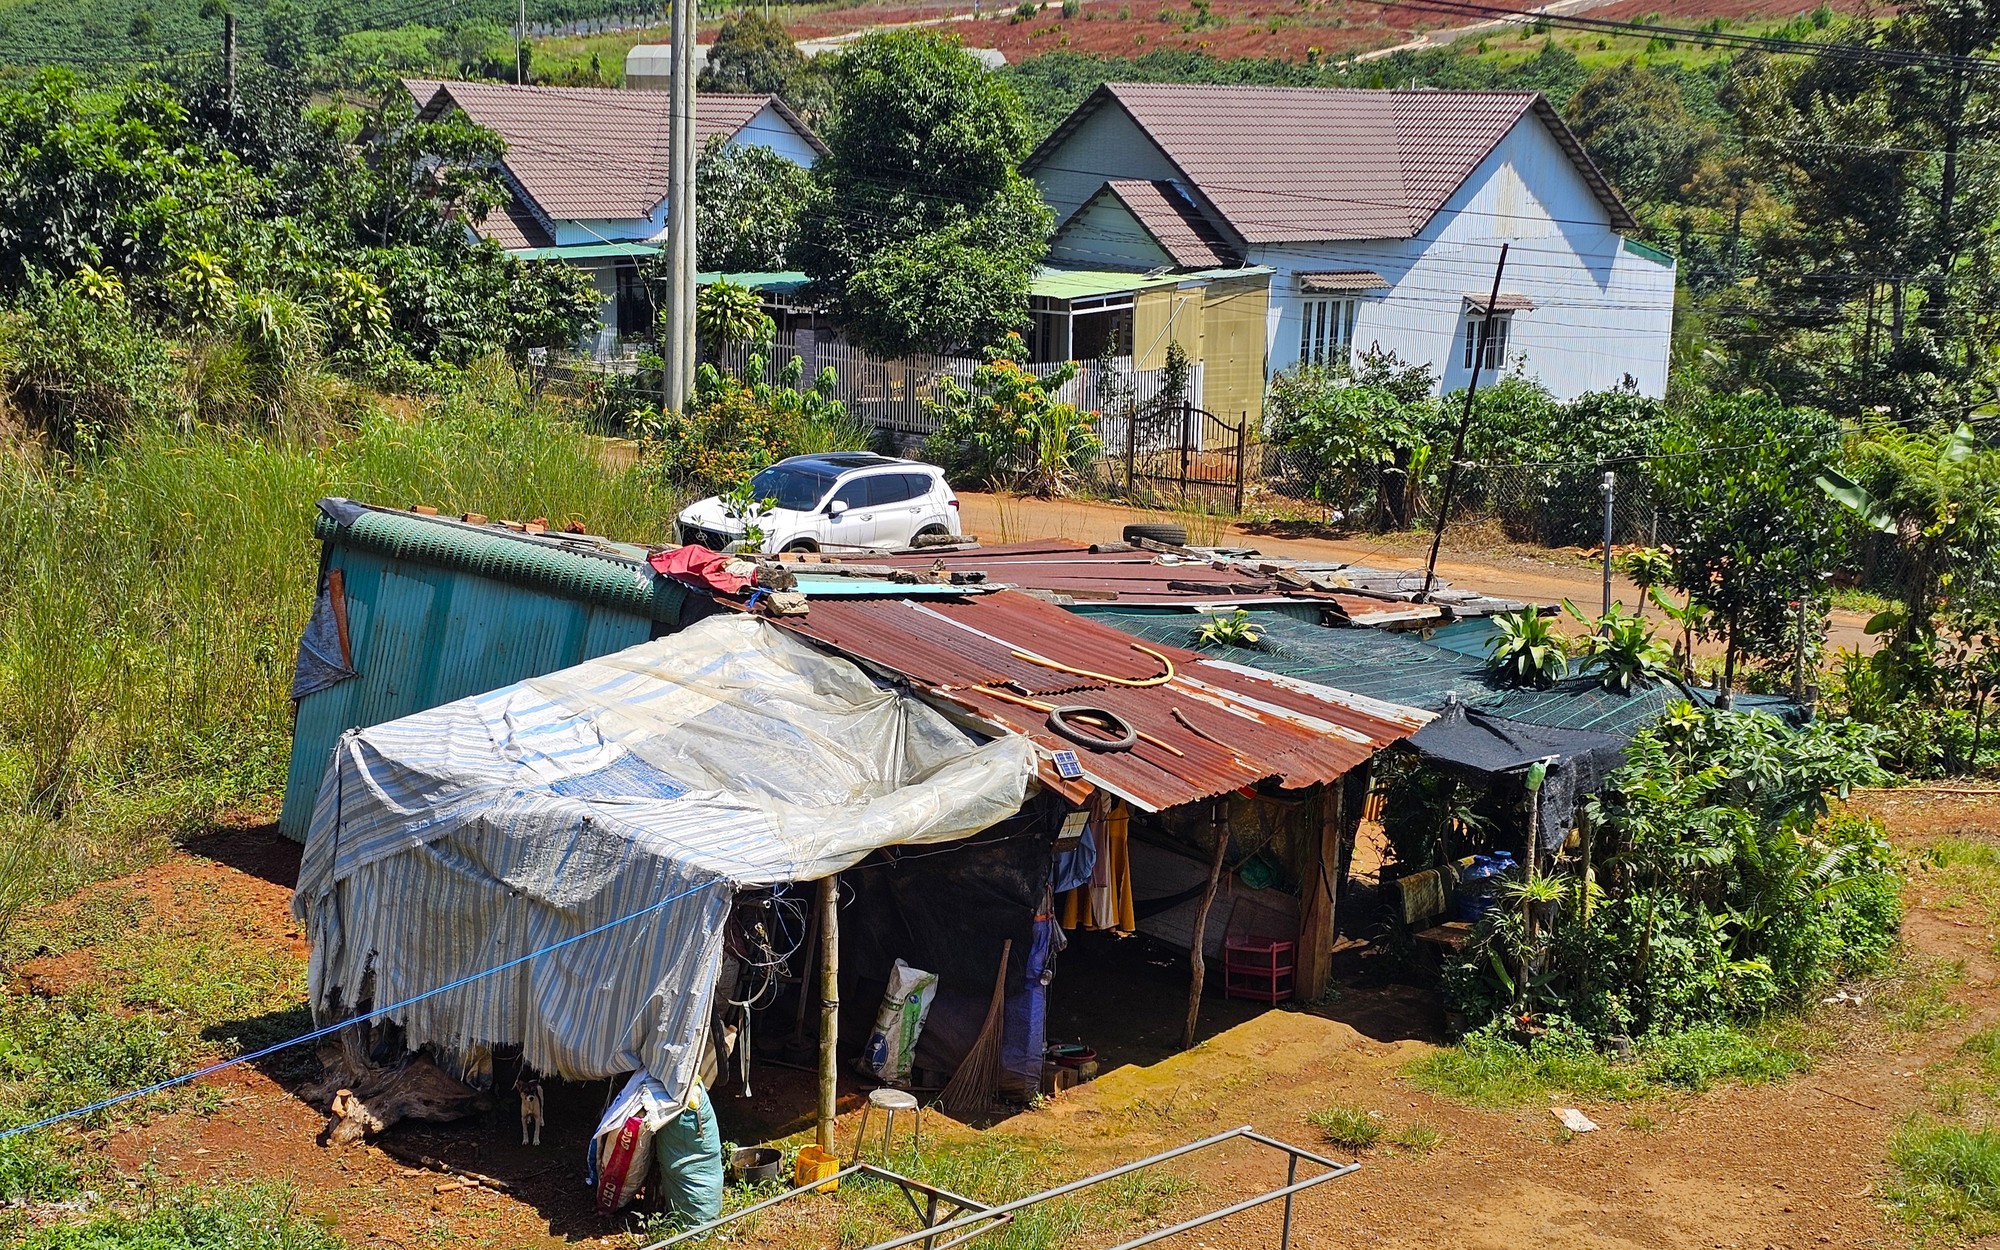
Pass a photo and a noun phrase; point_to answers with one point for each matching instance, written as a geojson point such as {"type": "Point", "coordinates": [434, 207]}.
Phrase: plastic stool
{"type": "Point", "coordinates": [1259, 969]}
{"type": "Point", "coordinates": [890, 1101]}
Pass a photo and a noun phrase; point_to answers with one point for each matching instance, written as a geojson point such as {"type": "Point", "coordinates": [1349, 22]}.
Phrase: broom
{"type": "Point", "coordinates": [973, 1088]}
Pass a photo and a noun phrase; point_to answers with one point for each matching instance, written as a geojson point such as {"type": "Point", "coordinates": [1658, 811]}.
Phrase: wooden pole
{"type": "Point", "coordinates": [1321, 894]}
{"type": "Point", "coordinates": [1197, 959]}
{"type": "Point", "coordinates": [829, 1002]}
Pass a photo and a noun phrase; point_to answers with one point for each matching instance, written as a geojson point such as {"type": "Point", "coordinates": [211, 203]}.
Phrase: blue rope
{"type": "Point", "coordinates": [330, 1029]}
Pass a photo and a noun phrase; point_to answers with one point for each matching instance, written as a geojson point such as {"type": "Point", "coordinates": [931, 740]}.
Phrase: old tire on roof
{"type": "Point", "coordinates": [1122, 738]}
{"type": "Point", "coordinates": [1171, 535]}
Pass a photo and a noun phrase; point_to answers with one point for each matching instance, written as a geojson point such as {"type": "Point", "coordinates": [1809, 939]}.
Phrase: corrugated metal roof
{"type": "Point", "coordinates": [1227, 727]}
{"type": "Point", "coordinates": [595, 153]}
{"type": "Point", "coordinates": [1090, 575]}
{"type": "Point", "coordinates": [587, 251]}
{"type": "Point", "coordinates": [1313, 164]}
{"type": "Point", "coordinates": [1174, 221]}
{"type": "Point", "coordinates": [1050, 282]}
{"type": "Point", "coordinates": [581, 567]}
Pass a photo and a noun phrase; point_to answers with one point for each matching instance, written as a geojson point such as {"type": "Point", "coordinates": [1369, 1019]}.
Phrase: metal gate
{"type": "Point", "coordinates": [1187, 447]}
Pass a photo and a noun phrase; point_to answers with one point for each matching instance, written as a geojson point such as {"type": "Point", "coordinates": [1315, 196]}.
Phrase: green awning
{"type": "Point", "coordinates": [587, 251]}
{"type": "Point", "coordinates": [1067, 284]}
{"type": "Point", "coordinates": [779, 282]}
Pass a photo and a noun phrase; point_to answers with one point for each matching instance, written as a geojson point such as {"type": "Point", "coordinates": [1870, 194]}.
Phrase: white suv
{"type": "Point", "coordinates": [842, 499]}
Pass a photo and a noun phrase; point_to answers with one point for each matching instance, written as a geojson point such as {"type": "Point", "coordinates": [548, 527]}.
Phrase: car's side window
{"type": "Point", "coordinates": [890, 488]}
{"type": "Point", "coordinates": [855, 494]}
{"type": "Point", "coordinates": [920, 484]}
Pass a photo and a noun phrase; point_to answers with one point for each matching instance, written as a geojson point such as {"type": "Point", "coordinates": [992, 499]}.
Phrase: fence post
{"type": "Point", "coordinates": [1187, 436]}
{"type": "Point", "coordinates": [1131, 447]}
{"type": "Point", "coordinates": [1242, 450]}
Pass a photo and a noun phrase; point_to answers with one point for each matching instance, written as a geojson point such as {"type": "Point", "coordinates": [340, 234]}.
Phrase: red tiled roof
{"type": "Point", "coordinates": [584, 153]}
{"type": "Point", "coordinates": [1174, 222]}
{"type": "Point", "coordinates": [512, 226]}
{"type": "Point", "coordinates": [1315, 164]}
{"type": "Point", "coordinates": [1509, 301]}
{"type": "Point", "coordinates": [1228, 727]}
{"type": "Point", "coordinates": [1343, 280]}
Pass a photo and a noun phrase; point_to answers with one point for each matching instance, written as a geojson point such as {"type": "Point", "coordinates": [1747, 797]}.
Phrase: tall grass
{"type": "Point", "coordinates": [151, 597]}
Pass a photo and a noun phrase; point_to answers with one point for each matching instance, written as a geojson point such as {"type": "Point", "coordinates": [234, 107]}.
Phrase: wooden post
{"type": "Point", "coordinates": [829, 1002]}
{"type": "Point", "coordinates": [1319, 895]}
{"type": "Point", "coordinates": [1197, 959]}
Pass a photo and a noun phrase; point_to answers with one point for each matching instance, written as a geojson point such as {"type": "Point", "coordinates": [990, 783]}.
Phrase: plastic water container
{"type": "Point", "coordinates": [1475, 885]}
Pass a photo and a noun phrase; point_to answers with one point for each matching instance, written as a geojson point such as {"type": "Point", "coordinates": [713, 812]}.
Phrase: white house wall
{"type": "Point", "coordinates": [769, 129]}
{"type": "Point", "coordinates": [1603, 310]}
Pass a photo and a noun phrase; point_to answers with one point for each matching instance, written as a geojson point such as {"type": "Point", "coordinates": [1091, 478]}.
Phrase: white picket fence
{"type": "Point", "coordinates": [898, 395]}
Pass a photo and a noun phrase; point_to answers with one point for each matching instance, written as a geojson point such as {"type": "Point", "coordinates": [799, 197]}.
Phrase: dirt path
{"type": "Point", "coordinates": [1474, 558]}
{"type": "Point", "coordinates": [1788, 1165]}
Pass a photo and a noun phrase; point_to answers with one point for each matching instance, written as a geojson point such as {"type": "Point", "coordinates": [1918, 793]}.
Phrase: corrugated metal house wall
{"type": "Point", "coordinates": [437, 612]}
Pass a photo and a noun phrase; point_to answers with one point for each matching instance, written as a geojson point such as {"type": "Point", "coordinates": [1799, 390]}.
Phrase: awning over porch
{"type": "Point", "coordinates": [587, 251]}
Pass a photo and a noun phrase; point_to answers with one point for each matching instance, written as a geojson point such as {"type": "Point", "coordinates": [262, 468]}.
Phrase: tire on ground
{"type": "Point", "coordinates": [1171, 535]}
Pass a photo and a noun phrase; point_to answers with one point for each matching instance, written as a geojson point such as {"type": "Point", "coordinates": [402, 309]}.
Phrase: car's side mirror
{"type": "Point", "coordinates": [837, 507]}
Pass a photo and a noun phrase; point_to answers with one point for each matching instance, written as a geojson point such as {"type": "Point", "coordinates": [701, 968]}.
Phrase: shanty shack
{"type": "Point", "coordinates": [587, 834]}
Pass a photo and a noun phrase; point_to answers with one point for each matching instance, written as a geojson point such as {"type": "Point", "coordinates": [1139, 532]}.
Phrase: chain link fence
{"type": "Point", "coordinates": [1552, 505]}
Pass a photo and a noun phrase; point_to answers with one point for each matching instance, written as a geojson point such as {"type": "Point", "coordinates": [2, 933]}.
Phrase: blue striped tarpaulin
{"type": "Point", "coordinates": [731, 754]}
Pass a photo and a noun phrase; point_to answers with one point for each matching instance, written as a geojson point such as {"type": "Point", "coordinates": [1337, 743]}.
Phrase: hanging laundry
{"type": "Point", "coordinates": [1105, 903]}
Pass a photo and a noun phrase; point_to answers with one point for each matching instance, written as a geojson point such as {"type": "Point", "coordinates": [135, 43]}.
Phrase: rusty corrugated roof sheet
{"type": "Point", "coordinates": [589, 153]}
{"type": "Point", "coordinates": [1315, 164]}
{"type": "Point", "coordinates": [1224, 727]}
{"type": "Point", "coordinates": [1121, 574]}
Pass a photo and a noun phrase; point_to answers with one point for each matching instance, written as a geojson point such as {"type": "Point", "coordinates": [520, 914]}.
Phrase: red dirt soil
{"type": "Point", "coordinates": [1284, 29]}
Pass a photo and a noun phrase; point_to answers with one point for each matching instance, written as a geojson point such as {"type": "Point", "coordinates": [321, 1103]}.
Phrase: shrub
{"type": "Point", "coordinates": [739, 425]}
{"type": "Point", "coordinates": [1723, 889]}
{"type": "Point", "coordinates": [1008, 427]}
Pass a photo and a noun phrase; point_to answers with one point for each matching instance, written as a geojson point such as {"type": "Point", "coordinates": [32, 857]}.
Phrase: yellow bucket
{"type": "Point", "coordinates": [813, 1164]}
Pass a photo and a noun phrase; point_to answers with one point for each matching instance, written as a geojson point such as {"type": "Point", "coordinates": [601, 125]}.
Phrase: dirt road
{"type": "Point", "coordinates": [1476, 558]}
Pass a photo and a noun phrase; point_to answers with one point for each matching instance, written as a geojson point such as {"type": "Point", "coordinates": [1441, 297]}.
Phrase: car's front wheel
{"type": "Point", "coordinates": [800, 544]}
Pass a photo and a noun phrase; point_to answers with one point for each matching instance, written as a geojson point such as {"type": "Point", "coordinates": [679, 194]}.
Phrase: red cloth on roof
{"type": "Point", "coordinates": [698, 566]}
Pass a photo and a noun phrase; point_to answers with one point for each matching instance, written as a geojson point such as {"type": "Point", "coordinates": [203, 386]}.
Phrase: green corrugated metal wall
{"type": "Point", "coordinates": [437, 612]}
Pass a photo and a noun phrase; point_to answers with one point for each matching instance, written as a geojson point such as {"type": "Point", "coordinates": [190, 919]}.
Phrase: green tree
{"type": "Point", "coordinates": [747, 204]}
{"type": "Point", "coordinates": [1753, 533]}
{"type": "Point", "coordinates": [921, 232]}
{"type": "Point", "coordinates": [1637, 128]}
{"type": "Point", "coordinates": [753, 54]}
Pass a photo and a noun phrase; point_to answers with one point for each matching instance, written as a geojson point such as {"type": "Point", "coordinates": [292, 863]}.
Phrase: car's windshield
{"type": "Point", "coordinates": [792, 486]}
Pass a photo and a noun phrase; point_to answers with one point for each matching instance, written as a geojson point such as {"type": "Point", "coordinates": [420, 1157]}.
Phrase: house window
{"type": "Point", "coordinates": [1328, 331]}
{"type": "Point", "coordinates": [1495, 355]}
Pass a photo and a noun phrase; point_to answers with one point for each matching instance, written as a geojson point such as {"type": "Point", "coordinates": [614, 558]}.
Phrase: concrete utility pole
{"type": "Point", "coordinates": [521, 44]}
{"type": "Point", "coordinates": [677, 346]}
